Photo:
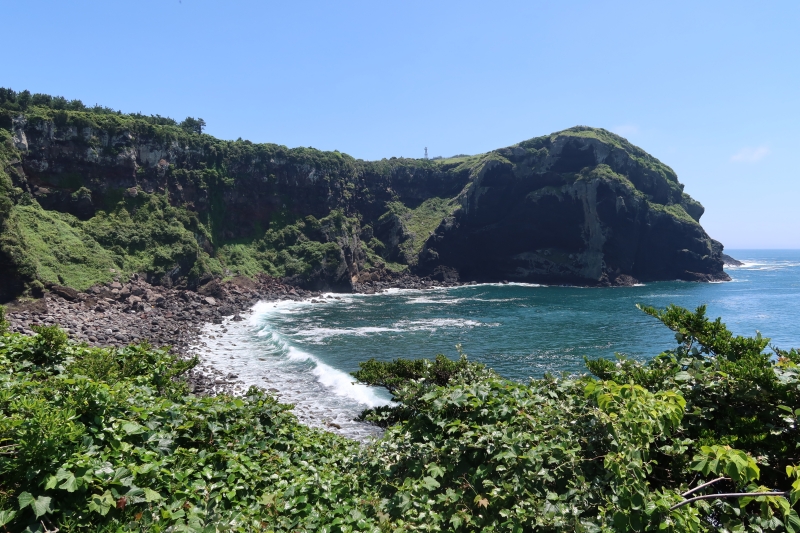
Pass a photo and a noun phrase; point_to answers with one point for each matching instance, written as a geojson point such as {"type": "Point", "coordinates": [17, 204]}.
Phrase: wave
{"type": "Point", "coordinates": [312, 335]}
{"type": "Point", "coordinates": [435, 324]}
{"type": "Point", "coordinates": [451, 301]}
{"type": "Point", "coordinates": [253, 353]}
{"type": "Point", "coordinates": [439, 301]}
{"type": "Point", "coordinates": [338, 382]}
{"type": "Point", "coordinates": [510, 284]}
{"type": "Point", "coordinates": [315, 335]}
{"type": "Point", "coordinates": [764, 265]}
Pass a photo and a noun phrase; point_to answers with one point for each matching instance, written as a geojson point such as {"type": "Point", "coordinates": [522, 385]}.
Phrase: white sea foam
{"type": "Point", "coordinates": [510, 283]}
{"type": "Point", "coordinates": [435, 324]}
{"type": "Point", "coordinates": [436, 301]}
{"type": "Point", "coordinates": [312, 335]}
{"type": "Point", "coordinates": [318, 335]}
{"type": "Point", "coordinates": [494, 300]}
{"type": "Point", "coordinates": [764, 265]}
{"type": "Point", "coordinates": [259, 355]}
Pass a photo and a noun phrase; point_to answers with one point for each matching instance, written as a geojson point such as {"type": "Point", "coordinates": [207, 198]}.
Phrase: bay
{"type": "Point", "coordinates": [306, 350]}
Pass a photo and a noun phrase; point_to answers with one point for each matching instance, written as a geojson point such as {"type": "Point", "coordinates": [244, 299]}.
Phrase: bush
{"type": "Point", "coordinates": [4, 325]}
{"type": "Point", "coordinates": [733, 387]}
{"type": "Point", "coordinates": [110, 440]}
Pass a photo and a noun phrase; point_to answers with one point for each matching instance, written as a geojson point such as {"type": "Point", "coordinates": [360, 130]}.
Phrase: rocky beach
{"type": "Point", "coordinates": [122, 312]}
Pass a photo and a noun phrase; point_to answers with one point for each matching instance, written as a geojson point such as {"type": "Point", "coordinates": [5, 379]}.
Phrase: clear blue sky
{"type": "Point", "coordinates": [710, 88]}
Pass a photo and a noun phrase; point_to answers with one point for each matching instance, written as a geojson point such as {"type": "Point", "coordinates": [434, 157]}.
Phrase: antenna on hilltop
{"type": "Point", "coordinates": [426, 152]}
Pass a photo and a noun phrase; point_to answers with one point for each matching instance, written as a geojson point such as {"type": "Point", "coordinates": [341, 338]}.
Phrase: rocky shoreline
{"type": "Point", "coordinates": [120, 313]}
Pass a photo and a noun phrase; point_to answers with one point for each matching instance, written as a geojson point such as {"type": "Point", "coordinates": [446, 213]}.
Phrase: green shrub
{"type": "Point", "coordinates": [4, 325]}
{"type": "Point", "coordinates": [733, 387]}
{"type": "Point", "coordinates": [96, 439]}
{"type": "Point", "coordinates": [49, 345]}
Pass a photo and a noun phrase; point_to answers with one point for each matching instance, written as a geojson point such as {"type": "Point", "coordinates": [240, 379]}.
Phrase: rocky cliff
{"type": "Point", "coordinates": [90, 196]}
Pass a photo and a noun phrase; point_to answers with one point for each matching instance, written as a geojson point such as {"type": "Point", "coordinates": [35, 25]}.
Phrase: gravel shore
{"type": "Point", "coordinates": [120, 313]}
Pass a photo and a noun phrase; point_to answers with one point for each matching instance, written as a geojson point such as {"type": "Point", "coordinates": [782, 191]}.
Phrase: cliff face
{"type": "Point", "coordinates": [580, 206]}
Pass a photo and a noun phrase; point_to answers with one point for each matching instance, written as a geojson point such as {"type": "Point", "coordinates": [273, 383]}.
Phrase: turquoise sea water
{"type": "Point", "coordinates": [306, 350]}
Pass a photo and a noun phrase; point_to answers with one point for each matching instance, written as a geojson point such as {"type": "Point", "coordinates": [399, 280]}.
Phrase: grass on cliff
{"type": "Point", "coordinates": [55, 247]}
{"type": "Point", "coordinates": [675, 211]}
{"type": "Point", "coordinates": [149, 234]}
{"type": "Point", "coordinates": [144, 233]}
{"type": "Point", "coordinates": [292, 248]}
{"type": "Point", "coordinates": [95, 439]}
{"type": "Point", "coordinates": [419, 223]}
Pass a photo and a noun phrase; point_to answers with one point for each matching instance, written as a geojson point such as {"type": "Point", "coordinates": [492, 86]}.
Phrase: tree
{"type": "Point", "coordinates": [193, 125]}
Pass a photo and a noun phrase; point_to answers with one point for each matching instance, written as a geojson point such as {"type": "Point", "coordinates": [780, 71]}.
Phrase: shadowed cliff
{"type": "Point", "coordinates": [88, 194]}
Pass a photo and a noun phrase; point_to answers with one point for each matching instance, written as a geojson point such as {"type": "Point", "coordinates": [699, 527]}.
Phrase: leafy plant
{"type": "Point", "coordinates": [4, 325]}
{"type": "Point", "coordinates": [96, 439]}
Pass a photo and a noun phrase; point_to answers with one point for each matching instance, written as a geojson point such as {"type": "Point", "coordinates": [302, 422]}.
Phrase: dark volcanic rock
{"type": "Point", "coordinates": [67, 293]}
{"type": "Point", "coordinates": [728, 260]}
{"type": "Point", "coordinates": [588, 213]}
{"type": "Point", "coordinates": [581, 206]}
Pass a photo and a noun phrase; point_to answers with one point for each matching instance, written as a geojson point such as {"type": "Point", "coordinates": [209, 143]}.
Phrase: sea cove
{"type": "Point", "coordinates": [306, 350]}
{"type": "Point", "coordinates": [399, 268]}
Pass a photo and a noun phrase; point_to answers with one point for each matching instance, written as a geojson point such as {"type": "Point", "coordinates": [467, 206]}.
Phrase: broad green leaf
{"type": "Point", "coordinates": [132, 428]}
{"type": "Point", "coordinates": [150, 495]}
{"type": "Point", "coordinates": [101, 503]}
{"type": "Point", "coordinates": [429, 483]}
{"type": "Point", "coordinates": [792, 522]}
{"type": "Point", "coordinates": [25, 499]}
{"type": "Point", "coordinates": [70, 484]}
{"type": "Point", "coordinates": [7, 516]}
{"type": "Point", "coordinates": [41, 506]}
{"type": "Point", "coordinates": [435, 470]}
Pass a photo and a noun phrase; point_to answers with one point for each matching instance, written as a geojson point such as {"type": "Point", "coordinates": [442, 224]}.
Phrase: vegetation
{"type": "Point", "coordinates": [180, 226]}
{"type": "Point", "coordinates": [193, 125]}
{"type": "Point", "coordinates": [109, 440]}
{"type": "Point", "coordinates": [418, 223]}
{"type": "Point", "coordinates": [57, 250]}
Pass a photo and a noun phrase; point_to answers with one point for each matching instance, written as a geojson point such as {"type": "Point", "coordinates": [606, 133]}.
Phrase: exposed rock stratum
{"type": "Point", "coordinates": [581, 206]}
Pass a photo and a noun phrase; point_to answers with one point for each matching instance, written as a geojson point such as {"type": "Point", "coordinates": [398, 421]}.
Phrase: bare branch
{"type": "Point", "coordinates": [704, 485]}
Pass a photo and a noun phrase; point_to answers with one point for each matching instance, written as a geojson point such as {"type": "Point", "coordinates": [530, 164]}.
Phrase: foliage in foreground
{"type": "Point", "coordinates": [95, 439]}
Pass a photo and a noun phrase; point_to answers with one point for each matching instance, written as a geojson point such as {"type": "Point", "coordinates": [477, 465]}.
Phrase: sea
{"type": "Point", "coordinates": [304, 352]}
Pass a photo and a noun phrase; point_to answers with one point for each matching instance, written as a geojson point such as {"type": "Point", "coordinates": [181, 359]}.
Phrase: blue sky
{"type": "Point", "coordinates": [710, 88]}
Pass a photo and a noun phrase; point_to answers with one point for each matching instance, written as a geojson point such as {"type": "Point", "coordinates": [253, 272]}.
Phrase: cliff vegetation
{"type": "Point", "coordinates": [149, 195]}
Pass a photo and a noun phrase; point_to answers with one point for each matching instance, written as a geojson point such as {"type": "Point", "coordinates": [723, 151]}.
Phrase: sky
{"type": "Point", "coordinates": [712, 89]}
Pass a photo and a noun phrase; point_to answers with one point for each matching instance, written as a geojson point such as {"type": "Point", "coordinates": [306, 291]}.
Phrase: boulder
{"type": "Point", "coordinates": [68, 293]}
{"type": "Point", "coordinates": [445, 274]}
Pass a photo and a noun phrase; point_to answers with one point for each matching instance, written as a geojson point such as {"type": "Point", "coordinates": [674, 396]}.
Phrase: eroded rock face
{"type": "Point", "coordinates": [576, 210]}
{"type": "Point", "coordinates": [582, 206]}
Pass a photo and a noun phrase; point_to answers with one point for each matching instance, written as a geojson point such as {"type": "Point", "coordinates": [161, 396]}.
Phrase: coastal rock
{"type": "Point", "coordinates": [580, 206]}
{"type": "Point", "coordinates": [728, 260]}
{"type": "Point", "coordinates": [586, 213]}
{"type": "Point", "coordinates": [67, 293]}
